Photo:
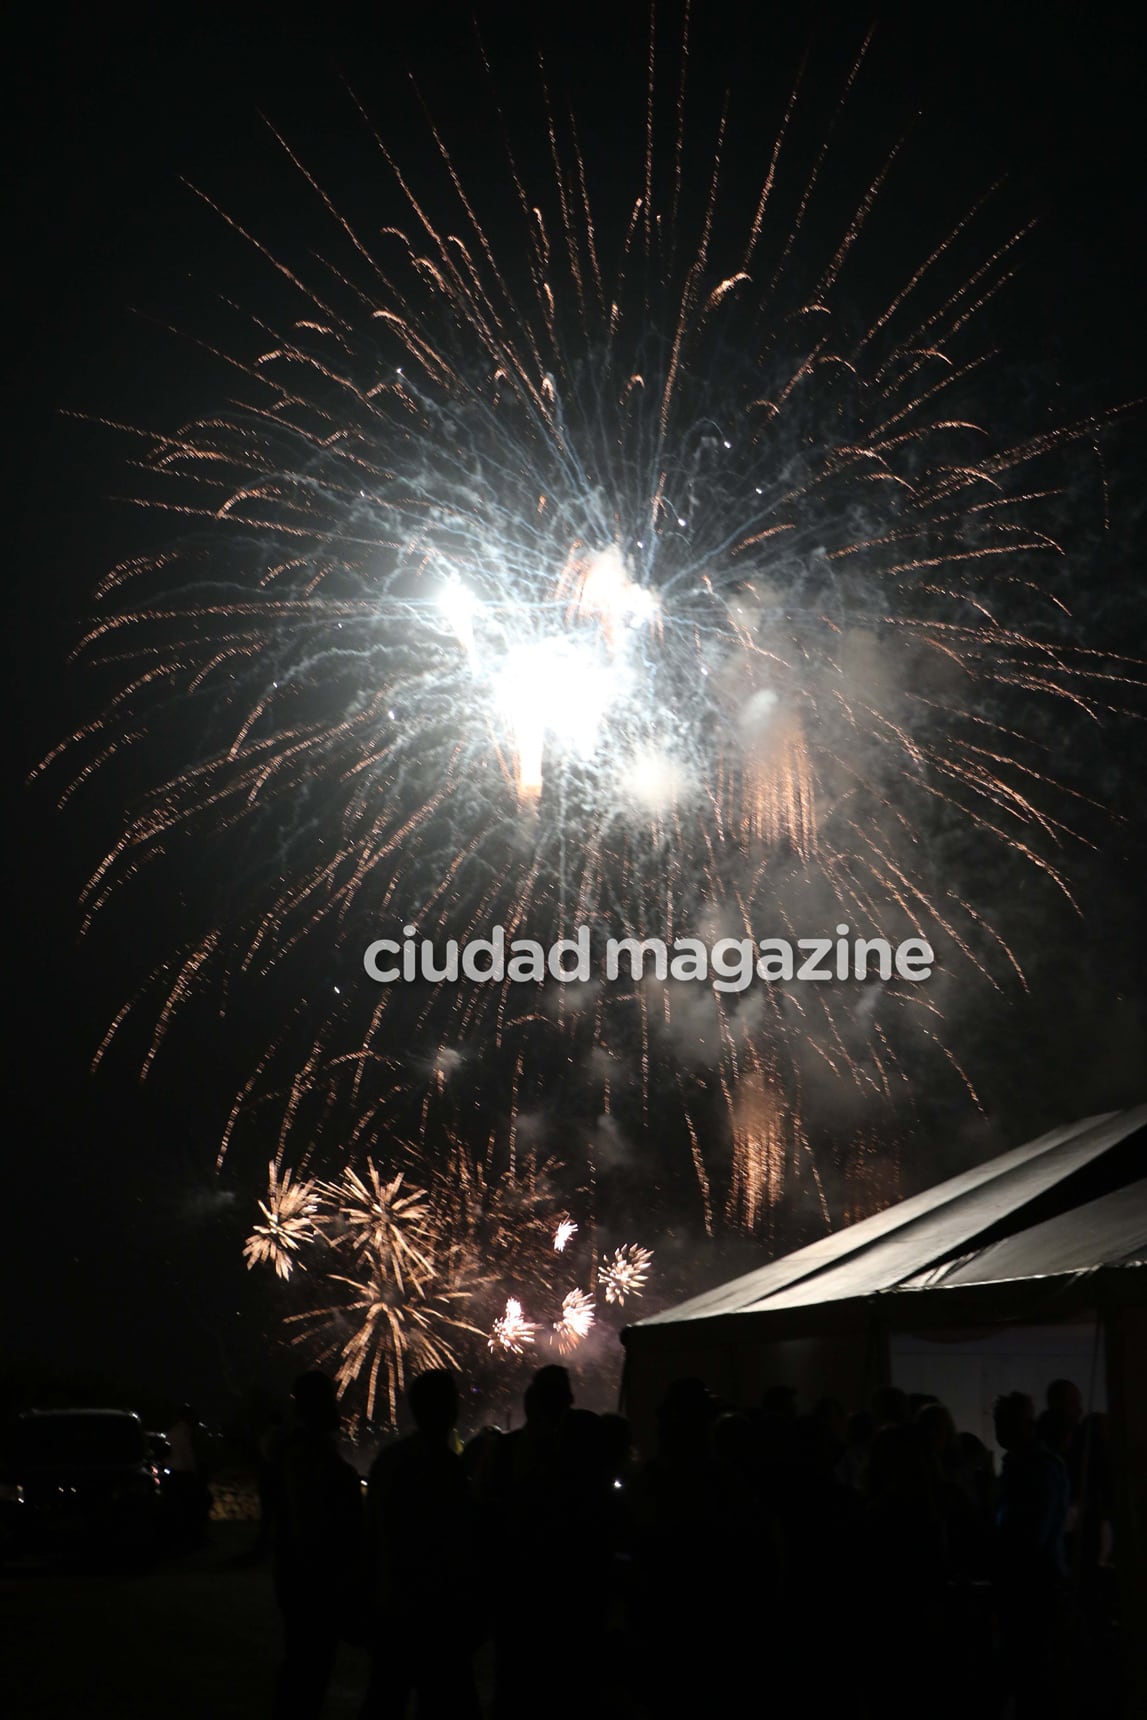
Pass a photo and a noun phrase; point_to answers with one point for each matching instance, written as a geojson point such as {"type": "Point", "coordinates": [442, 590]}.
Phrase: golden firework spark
{"type": "Point", "coordinates": [379, 1335]}
{"type": "Point", "coordinates": [291, 1211]}
{"type": "Point", "coordinates": [778, 792]}
{"type": "Point", "coordinates": [391, 1222]}
{"type": "Point", "coordinates": [763, 1127]}
{"type": "Point", "coordinates": [627, 1273]}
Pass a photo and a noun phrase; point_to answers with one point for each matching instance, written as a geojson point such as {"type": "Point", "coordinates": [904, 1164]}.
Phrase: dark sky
{"type": "Point", "coordinates": [119, 1250]}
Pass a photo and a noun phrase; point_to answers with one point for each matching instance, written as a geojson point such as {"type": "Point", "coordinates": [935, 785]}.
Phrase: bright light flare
{"type": "Point", "coordinates": [610, 596]}
{"type": "Point", "coordinates": [459, 605]}
{"type": "Point", "coordinates": [557, 690]}
{"type": "Point", "coordinates": [511, 1332]}
{"type": "Point", "coordinates": [565, 1231]}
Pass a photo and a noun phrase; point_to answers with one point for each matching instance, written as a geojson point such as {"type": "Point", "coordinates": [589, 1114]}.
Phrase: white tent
{"type": "Point", "coordinates": [1029, 1267]}
{"type": "Point", "coordinates": [1036, 1219]}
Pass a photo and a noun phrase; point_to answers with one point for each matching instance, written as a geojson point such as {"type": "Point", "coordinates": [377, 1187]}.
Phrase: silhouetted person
{"type": "Point", "coordinates": [890, 1408]}
{"type": "Point", "coordinates": [678, 1529]}
{"type": "Point", "coordinates": [852, 1468]}
{"type": "Point", "coordinates": [1094, 1548]}
{"type": "Point", "coordinates": [1059, 1424]}
{"type": "Point", "coordinates": [905, 1569]}
{"type": "Point", "coordinates": [423, 1569]}
{"type": "Point", "coordinates": [269, 1448]}
{"type": "Point", "coordinates": [528, 1504]}
{"type": "Point", "coordinates": [615, 1442]}
{"type": "Point", "coordinates": [1030, 1570]}
{"type": "Point", "coordinates": [978, 1468]}
{"type": "Point", "coordinates": [834, 1417]}
{"type": "Point", "coordinates": [822, 1518]}
{"type": "Point", "coordinates": [315, 1503]}
{"type": "Point", "coordinates": [779, 1400]}
{"type": "Point", "coordinates": [964, 1529]}
{"type": "Point", "coordinates": [188, 1492]}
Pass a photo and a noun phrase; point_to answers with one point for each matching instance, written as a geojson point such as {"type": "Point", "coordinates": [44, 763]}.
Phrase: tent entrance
{"type": "Point", "coordinates": [969, 1369]}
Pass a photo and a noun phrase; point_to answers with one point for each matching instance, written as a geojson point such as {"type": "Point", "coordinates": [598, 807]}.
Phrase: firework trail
{"type": "Point", "coordinates": [763, 1151]}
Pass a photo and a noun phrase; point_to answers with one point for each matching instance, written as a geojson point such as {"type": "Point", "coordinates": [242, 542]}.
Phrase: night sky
{"type": "Point", "coordinates": [120, 1249]}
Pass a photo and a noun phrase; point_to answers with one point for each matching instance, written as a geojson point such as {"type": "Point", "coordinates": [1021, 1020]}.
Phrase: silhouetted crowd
{"type": "Point", "coordinates": [872, 1564]}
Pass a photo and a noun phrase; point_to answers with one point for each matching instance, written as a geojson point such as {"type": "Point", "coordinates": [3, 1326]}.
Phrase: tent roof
{"type": "Point", "coordinates": [1110, 1231]}
{"type": "Point", "coordinates": [1045, 1190]}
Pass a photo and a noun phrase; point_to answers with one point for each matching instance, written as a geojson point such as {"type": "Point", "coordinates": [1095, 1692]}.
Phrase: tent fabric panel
{"type": "Point", "coordinates": [764, 1280]}
{"type": "Point", "coordinates": [754, 1287]}
{"type": "Point", "coordinates": [1110, 1231]}
{"type": "Point", "coordinates": [879, 1253]}
{"type": "Point", "coordinates": [958, 1222]}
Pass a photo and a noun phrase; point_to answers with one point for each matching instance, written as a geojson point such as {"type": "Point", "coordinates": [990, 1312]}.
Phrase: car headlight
{"type": "Point", "coordinates": [11, 1493]}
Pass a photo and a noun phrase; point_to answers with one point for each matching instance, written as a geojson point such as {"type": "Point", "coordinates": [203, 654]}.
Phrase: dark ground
{"type": "Point", "coordinates": [196, 1636]}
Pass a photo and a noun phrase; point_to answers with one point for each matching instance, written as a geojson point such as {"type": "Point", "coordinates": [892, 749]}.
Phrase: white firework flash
{"type": "Point", "coordinates": [564, 1233]}
{"type": "Point", "coordinates": [512, 1332]}
{"type": "Point", "coordinates": [576, 1319]}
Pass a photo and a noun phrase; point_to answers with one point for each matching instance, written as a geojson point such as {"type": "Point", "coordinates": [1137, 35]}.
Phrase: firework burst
{"type": "Point", "coordinates": [391, 1223]}
{"type": "Point", "coordinates": [564, 1234]}
{"type": "Point", "coordinates": [670, 597]}
{"type": "Point", "coordinates": [511, 1332]}
{"type": "Point", "coordinates": [577, 1317]}
{"type": "Point", "coordinates": [626, 1273]}
{"type": "Point", "coordinates": [380, 1337]}
{"type": "Point", "coordinates": [291, 1213]}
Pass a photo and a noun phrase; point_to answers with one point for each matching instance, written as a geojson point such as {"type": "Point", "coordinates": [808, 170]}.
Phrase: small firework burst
{"type": "Point", "coordinates": [386, 1220]}
{"type": "Point", "coordinates": [291, 1210]}
{"type": "Point", "coordinates": [626, 1273]}
{"type": "Point", "coordinates": [565, 1231]}
{"type": "Point", "coordinates": [511, 1331]}
{"type": "Point", "coordinates": [576, 1319]}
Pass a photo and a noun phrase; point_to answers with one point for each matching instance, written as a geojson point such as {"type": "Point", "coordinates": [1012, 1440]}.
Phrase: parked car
{"type": "Point", "coordinates": [79, 1479]}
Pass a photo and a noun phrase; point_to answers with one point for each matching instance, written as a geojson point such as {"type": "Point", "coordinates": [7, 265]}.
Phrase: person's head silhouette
{"type": "Point", "coordinates": [433, 1400]}
{"type": "Point", "coordinates": [548, 1396]}
{"type": "Point", "coordinates": [1014, 1417]}
{"type": "Point", "coordinates": [316, 1403]}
